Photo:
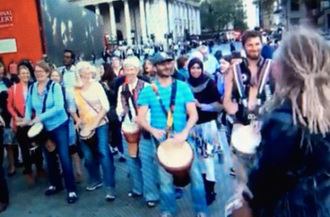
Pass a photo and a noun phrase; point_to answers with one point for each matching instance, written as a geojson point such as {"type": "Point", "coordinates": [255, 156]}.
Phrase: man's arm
{"type": "Point", "coordinates": [192, 116]}
{"type": "Point", "coordinates": [142, 118]}
{"type": "Point", "coordinates": [230, 107]}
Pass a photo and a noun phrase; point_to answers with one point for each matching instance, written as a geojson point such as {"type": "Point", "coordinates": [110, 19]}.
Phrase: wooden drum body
{"type": "Point", "coordinates": [132, 134]}
{"type": "Point", "coordinates": [37, 134]}
{"type": "Point", "coordinates": [176, 159]}
{"type": "Point", "coordinates": [88, 137]}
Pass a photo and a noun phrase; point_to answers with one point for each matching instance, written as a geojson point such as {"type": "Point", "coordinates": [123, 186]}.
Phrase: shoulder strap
{"type": "Point", "coordinates": [31, 89]}
{"type": "Point", "coordinates": [50, 82]}
{"type": "Point", "coordinates": [127, 95]}
{"type": "Point", "coordinates": [237, 74]}
{"type": "Point", "coordinates": [63, 71]}
{"type": "Point", "coordinates": [169, 113]}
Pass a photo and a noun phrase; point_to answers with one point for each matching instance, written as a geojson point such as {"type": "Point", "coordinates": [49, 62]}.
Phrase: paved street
{"type": "Point", "coordinates": [31, 202]}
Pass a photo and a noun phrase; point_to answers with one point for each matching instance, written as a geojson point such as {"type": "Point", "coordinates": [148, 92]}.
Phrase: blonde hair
{"type": "Point", "coordinates": [56, 71]}
{"type": "Point", "coordinates": [79, 67]}
{"type": "Point", "coordinates": [303, 58]}
{"type": "Point", "coordinates": [132, 62]}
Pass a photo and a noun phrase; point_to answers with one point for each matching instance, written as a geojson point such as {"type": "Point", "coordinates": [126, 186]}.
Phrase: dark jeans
{"type": "Point", "coordinates": [116, 139]}
{"type": "Point", "coordinates": [28, 158]}
{"type": "Point", "coordinates": [4, 194]}
{"type": "Point", "coordinates": [60, 136]}
{"type": "Point", "coordinates": [104, 158]}
{"type": "Point", "coordinates": [1, 147]}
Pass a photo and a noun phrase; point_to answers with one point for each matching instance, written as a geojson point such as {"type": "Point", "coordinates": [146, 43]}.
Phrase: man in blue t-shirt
{"type": "Point", "coordinates": [184, 106]}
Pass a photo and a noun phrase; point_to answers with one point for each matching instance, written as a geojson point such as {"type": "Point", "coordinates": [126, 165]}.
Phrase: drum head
{"type": "Point", "coordinates": [245, 139]}
{"type": "Point", "coordinates": [130, 127]}
{"type": "Point", "coordinates": [172, 154]}
{"type": "Point", "coordinates": [85, 132]}
{"type": "Point", "coordinates": [35, 130]}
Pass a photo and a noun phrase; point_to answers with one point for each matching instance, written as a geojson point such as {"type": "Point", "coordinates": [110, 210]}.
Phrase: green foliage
{"type": "Point", "coordinates": [217, 14]}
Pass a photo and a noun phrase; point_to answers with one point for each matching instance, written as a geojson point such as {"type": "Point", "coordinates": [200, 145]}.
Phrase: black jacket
{"type": "Point", "coordinates": [291, 177]}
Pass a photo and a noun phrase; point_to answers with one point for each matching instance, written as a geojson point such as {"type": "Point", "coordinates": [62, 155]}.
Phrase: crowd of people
{"type": "Point", "coordinates": [167, 118]}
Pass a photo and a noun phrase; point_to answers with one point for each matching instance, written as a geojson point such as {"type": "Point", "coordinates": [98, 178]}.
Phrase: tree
{"type": "Point", "coordinates": [310, 5]}
{"type": "Point", "coordinates": [218, 14]}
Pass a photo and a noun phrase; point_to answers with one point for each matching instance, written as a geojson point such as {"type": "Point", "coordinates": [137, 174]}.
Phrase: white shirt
{"type": "Point", "coordinates": [120, 109]}
{"type": "Point", "coordinates": [97, 97]}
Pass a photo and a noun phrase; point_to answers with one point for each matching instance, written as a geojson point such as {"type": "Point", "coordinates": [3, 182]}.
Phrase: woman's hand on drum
{"type": "Point", "coordinates": [79, 123]}
{"type": "Point", "coordinates": [158, 134]}
{"type": "Point", "coordinates": [22, 122]}
{"type": "Point", "coordinates": [35, 120]}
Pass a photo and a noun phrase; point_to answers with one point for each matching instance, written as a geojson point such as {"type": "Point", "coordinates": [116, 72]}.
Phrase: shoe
{"type": "Point", "coordinates": [30, 180]}
{"type": "Point", "coordinates": [72, 197]}
{"type": "Point", "coordinates": [94, 186]}
{"type": "Point", "coordinates": [166, 214]}
{"type": "Point", "coordinates": [110, 195]}
{"type": "Point", "coordinates": [178, 193]}
{"type": "Point", "coordinates": [232, 172]}
{"type": "Point", "coordinates": [151, 204]}
{"type": "Point", "coordinates": [114, 151]}
{"type": "Point", "coordinates": [11, 174]}
{"type": "Point", "coordinates": [122, 159]}
{"type": "Point", "coordinates": [3, 207]}
{"type": "Point", "coordinates": [201, 215]}
{"type": "Point", "coordinates": [133, 194]}
{"type": "Point", "coordinates": [52, 190]}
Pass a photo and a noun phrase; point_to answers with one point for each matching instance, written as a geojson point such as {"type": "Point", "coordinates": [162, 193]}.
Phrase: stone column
{"type": "Point", "coordinates": [127, 22]}
{"type": "Point", "coordinates": [143, 22]}
{"type": "Point", "coordinates": [97, 11]}
{"type": "Point", "coordinates": [112, 21]}
{"type": "Point", "coordinates": [148, 20]}
{"type": "Point", "coordinates": [198, 21]}
{"type": "Point", "coordinates": [181, 19]}
{"type": "Point", "coordinates": [195, 21]}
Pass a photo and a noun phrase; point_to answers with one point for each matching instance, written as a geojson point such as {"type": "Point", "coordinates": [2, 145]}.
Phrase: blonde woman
{"type": "Point", "coordinates": [92, 105]}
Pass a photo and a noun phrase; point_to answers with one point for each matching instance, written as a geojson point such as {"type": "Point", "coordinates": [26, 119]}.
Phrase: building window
{"type": "Point", "coordinates": [295, 5]}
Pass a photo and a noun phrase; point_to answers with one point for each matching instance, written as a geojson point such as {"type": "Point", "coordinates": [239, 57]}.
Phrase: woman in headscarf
{"type": "Point", "coordinates": [205, 133]}
{"type": "Point", "coordinates": [292, 174]}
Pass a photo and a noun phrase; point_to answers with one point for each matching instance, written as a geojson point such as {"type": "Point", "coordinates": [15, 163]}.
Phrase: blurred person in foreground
{"type": "Point", "coordinates": [292, 175]}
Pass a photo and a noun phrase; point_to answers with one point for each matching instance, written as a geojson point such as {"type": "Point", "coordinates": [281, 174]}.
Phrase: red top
{"type": "Point", "coordinates": [16, 102]}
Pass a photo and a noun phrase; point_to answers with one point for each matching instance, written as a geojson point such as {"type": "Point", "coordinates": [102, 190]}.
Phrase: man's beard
{"type": "Point", "coordinates": [254, 57]}
{"type": "Point", "coordinates": [163, 75]}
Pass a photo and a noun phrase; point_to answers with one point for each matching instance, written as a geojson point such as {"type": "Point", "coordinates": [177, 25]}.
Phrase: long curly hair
{"type": "Point", "coordinates": [303, 59]}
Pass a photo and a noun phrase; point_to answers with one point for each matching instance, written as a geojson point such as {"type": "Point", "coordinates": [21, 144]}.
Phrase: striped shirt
{"type": "Point", "coordinates": [68, 82]}
{"type": "Point", "coordinates": [183, 96]}
{"type": "Point", "coordinates": [55, 114]}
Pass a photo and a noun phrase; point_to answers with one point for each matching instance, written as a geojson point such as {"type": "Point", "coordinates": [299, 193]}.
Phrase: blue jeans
{"type": "Point", "coordinates": [60, 136]}
{"type": "Point", "coordinates": [104, 158]}
{"type": "Point", "coordinates": [143, 170]}
{"type": "Point", "coordinates": [167, 189]}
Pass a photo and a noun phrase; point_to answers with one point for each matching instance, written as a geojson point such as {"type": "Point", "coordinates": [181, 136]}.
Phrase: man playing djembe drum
{"type": "Point", "coordinates": [137, 147]}
{"type": "Point", "coordinates": [168, 100]}
{"type": "Point", "coordinates": [247, 87]}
